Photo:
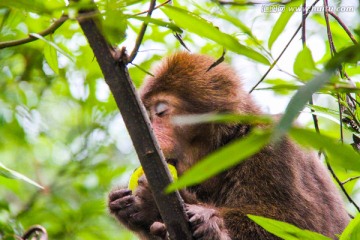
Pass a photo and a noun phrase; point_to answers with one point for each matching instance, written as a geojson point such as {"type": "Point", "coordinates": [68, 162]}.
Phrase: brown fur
{"type": "Point", "coordinates": [282, 181]}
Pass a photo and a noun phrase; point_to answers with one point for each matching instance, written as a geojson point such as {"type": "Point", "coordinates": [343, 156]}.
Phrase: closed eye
{"type": "Point", "coordinates": [161, 108]}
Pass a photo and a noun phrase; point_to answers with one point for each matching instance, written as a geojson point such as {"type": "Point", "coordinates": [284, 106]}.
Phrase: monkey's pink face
{"type": "Point", "coordinates": [173, 139]}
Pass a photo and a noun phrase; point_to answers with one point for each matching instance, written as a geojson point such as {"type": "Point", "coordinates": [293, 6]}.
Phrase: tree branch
{"type": "Point", "coordinates": [342, 24]}
{"type": "Point", "coordinates": [46, 32]}
{"type": "Point", "coordinates": [138, 124]}
{"type": "Point", "coordinates": [283, 51]}
{"type": "Point", "coordinates": [141, 33]}
{"type": "Point", "coordinates": [158, 6]}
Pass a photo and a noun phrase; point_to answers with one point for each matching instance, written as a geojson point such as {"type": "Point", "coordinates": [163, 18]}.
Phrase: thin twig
{"type": "Point", "coordinates": [158, 6]}
{"type": "Point", "coordinates": [44, 33]}
{"type": "Point", "coordinates": [350, 179]}
{"type": "Point", "coordinates": [328, 29]}
{"type": "Point", "coordinates": [333, 52]}
{"type": "Point", "coordinates": [341, 186]}
{"type": "Point", "coordinates": [341, 117]}
{"type": "Point", "coordinates": [283, 51]}
{"type": "Point", "coordinates": [141, 33]}
{"type": "Point", "coordinates": [343, 26]}
{"type": "Point", "coordinates": [303, 29]}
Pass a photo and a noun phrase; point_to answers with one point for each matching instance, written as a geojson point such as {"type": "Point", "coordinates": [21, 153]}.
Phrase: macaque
{"type": "Point", "coordinates": [282, 181]}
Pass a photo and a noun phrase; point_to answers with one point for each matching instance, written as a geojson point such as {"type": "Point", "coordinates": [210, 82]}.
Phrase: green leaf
{"type": "Point", "coordinates": [203, 28]}
{"type": "Point", "coordinates": [283, 20]}
{"type": "Point", "coordinates": [348, 55]}
{"type": "Point", "coordinates": [114, 26]}
{"type": "Point", "coordinates": [222, 159]}
{"type": "Point", "coordinates": [304, 65]}
{"type": "Point", "coordinates": [285, 230]}
{"type": "Point", "coordinates": [52, 44]}
{"type": "Point", "coordinates": [342, 155]}
{"type": "Point", "coordinates": [157, 22]}
{"type": "Point", "coordinates": [221, 118]}
{"type": "Point", "coordinates": [8, 173]}
{"type": "Point", "coordinates": [51, 57]}
{"type": "Point", "coordinates": [298, 101]}
{"type": "Point", "coordinates": [352, 231]}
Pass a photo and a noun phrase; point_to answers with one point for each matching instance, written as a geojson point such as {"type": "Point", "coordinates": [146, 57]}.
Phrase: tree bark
{"type": "Point", "coordinates": [115, 72]}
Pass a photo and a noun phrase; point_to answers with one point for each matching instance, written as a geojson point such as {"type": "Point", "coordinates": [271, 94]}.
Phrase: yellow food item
{"type": "Point", "coordinates": [133, 182]}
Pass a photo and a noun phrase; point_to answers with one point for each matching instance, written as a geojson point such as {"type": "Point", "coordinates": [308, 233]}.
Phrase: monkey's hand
{"type": "Point", "coordinates": [137, 211]}
{"type": "Point", "coordinates": [206, 223]}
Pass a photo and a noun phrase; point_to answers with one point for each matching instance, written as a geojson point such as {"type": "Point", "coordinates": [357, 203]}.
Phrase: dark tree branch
{"type": "Point", "coordinates": [283, 51]}
{"type": "Point", "coordinates": [158, 6]}
{"type": "Point", "coordinates": [46, 32]}
{"type": "Point", "coordinates": [342, 186]}
{"type": "Point", "coordinates": [141, 33]}
{"type": "Point", "coordinates": [138, 125]}
{"type": "Point", "coordinates": [333, 51]}
{"type": "Point", "coordinates": [342, 24]}
{"type": "Point", "coordinates": [350, 179]}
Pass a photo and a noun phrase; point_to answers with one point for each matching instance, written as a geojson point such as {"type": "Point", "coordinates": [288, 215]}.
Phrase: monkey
{"type": "Point", "coordinates": [282, 181]}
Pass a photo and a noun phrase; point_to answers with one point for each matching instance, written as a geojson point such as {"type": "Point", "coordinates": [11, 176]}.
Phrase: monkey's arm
{"type": "Point", "coordinates": [213, 223]}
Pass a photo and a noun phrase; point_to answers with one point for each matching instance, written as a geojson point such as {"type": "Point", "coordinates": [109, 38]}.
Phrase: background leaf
{"type": "Point", "coordinates": [51, 57]}
{"type": "Point", "coordinates": [304, 65]}
{"type": "Point", "coordinates": [8, 173]}
{"type": "Point", "coordinates": [341, 155]}
{"type": "Point", "coordinates": [283, 21]}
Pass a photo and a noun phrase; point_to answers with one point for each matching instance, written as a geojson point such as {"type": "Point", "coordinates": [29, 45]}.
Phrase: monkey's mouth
{"type": "Point", "coordinates": [172, 161]}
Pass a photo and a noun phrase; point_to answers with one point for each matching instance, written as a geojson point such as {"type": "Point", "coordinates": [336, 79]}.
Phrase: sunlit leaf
{"type": "Point", "coordinates": [51, 57]}
{"type": "Point", "coordinates": [114, 26]}
{"type": "Point", "coordinates": [222, 159]}
{"type": "Point", "coordinates": [342, 155]}
{"type": "Point", "coordinates": [348, 55]}
{"type": "Point", "coordinates": [201, 27]}
{"type": "Point", "coordinates": [52, 44]}
{"type": "Point", "coordinates": [157, 22]}
{"type": "Point", "coordinates": [283, 21]}
{"type": "Point", "coordinates": [304, 65]}
{"type": "Point", "coordinates": [285, 230]}
{"type": "Point", "coordinates": [352, 231]}
{"type": "Point", "coordinates": [8, 173]}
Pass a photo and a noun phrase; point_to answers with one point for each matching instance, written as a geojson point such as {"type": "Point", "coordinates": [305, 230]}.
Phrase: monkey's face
{"type": "Point", "coordinates": [176, 141]}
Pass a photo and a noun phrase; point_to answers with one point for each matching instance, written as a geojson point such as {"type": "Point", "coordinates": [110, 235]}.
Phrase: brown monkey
{"type": "Point", "coordinates": [281, 182]}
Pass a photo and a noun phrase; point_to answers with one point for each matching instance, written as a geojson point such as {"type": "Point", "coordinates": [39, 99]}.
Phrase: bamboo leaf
{"type": "Point", "coordinates": [342, 155]}
{"type": "Point", "coordinates": [203, 28]}
{"type": "Point", "coordinates": [8, 173]}
{"type": "Point", "coordinates": [283, 21]}
{"type": "Point", "coordinates": [352, 231]}
{"type": "Point", "coordinates": [304, 65]}
{"type": "Point", "coordinates": [222, 159]}
{"type": "Point", "coordinates": [285, 230]}
{"type": "Point", "coordinates": [51, 57]}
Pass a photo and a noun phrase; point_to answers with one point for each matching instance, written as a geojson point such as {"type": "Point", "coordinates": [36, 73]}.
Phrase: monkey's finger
{"type": "Point", "coordinates": [121, 203]}
{"type": "Point", "coordinates": [196, 220]}
{"type": "Point", "coordinates": [158, 229]}
{"type": "Point", "coordinates": [119, 194]}
{"type": "Point", "coordinates": [142, 181]}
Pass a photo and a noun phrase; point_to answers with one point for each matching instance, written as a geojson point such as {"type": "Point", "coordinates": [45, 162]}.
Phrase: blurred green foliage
{"type": "Point", "coordinates": [60, 127]}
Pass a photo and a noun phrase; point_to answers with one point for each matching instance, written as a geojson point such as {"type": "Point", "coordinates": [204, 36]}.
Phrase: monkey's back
{"type": "Point", "coordinates": [282, 182]}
